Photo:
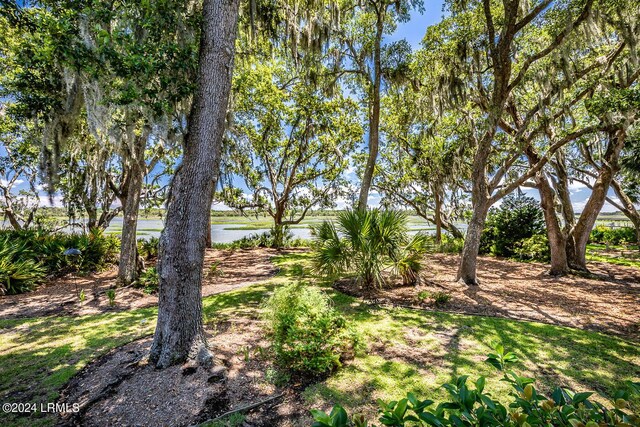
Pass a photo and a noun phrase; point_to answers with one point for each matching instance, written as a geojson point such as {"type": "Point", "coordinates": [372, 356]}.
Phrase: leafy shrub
{"type": "Point", "coordinates": [149, 280]}
{"type": "Point", "coordinates": [307, 333]}
{"type": "Point", "coordinates": [518, 218]}
{"type": "Point", "coordinates": [148, 248]}
{"type": "Point", "coordinates": [471, 406]}
{"type": "Point", "coordinates": [450, 245]}
{"type": "Point", "coordinates": [366, 242]}
{"type": "Point", "coordinates": [38, 253]}
{"type": "Point", "coordinates": [535, 248]}
{"type": "Point", "coordinates": [613, 236]}
{"type": "Point", "coordinates": [438, 298]}
{"type": "Point", "coordinates": [598, 234]}
{"type": "Point", "coordinates": [19, 270]}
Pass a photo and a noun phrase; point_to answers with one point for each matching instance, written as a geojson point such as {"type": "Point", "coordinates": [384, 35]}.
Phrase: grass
{"type": "Point", "coordinates": [614, 254]}
{"type": "Point", "coordinates": [409, 350]}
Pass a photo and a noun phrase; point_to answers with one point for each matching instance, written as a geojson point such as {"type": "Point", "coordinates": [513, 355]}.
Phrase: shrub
{"type": "Point", "coordinates": [365, 243]}
{"type": "Point", "coordinates": [39, 253]}
{"type": "Point", "coordinates": [469, 405]}
{"type": "Point", "coordinates": [518, 218]}
{"type": "Point", "coordinates": [307, 333]}
{"type": "Point", "coordinates": [149, 280]}
{"type": "Point", "coordinates": [535, 248]}
{"type": "Point", "coordinates": [264, 240]}
{"type": "Point", "coordinates": [438, 298]}
{"type": "Point", "coordinates": [148, 248]}
{"type": "Point", "coordinates": [19, 270]}
{"type": "Point", "coordinates": [450, 245]}
{"type": "Point", "coordinates": [613, 236]}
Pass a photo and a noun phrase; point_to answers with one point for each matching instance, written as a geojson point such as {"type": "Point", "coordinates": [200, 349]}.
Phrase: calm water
{"type": "Point", "coordinates": [219, 234]}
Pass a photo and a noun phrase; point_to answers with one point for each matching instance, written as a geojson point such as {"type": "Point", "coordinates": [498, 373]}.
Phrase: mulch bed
{"type": "Point", "coordinates": [608, 300]}
{"type": "Point", "coordinates": [121, 388]}
{"type": "Point", "coordinates": [59, 297]}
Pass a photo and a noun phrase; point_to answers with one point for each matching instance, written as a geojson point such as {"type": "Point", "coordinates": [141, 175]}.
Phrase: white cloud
{"type": "Point", "coordinates": [4, 182]}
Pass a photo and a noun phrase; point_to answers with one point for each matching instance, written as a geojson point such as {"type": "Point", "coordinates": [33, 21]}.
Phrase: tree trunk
{"type": "Point", "coordinates": [438, 217]}
{"type": "Point", "coordinates": [468, 262]}
{"type": "Point", "coordinates": [557, 238]}
{"type": "Point", "coordinates": [129, 267]}
{"type": "Point", "coordinates": [278, 228]}
{"type": "Point", "coordinates": [374, 120]}
{"type": "Point", "coordinates": [555, 234]}
{"type": "Point", "coordinates": [208, 243]}
{"type": "Point", "coordinates": [579, 236]}
{"type": "Point", "coordinates": [480, 203]}
{"type": "Point", "coordinates": [8, 213]}
{"type": "Point", "coordinates": [628, 208]}
{"type": "Point", "coordinates": [179, 333]}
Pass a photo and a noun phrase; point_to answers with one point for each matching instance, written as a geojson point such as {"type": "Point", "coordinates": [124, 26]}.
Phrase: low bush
{"type": "Point", "coordinates": [264, 240]}
{"type": "Point", "coordinates": [439, 298]}
{"type": "Point", "coordinates": [19, 270]}
{"type": "Point", "coordinates": [469, 405]}
{"type": "Point", "coordinates": [149, 248]}
{"type": "Point", "coordinates": [450, 245]}
{"type": "Point", "coordinates": [534, 248]}
{"type": "Point", "coordinates": [149, 280]}
{"type": "Point", "coordinates": [307, 334]}
{"type": "Point", "coordinates": [518, 218]}
{"type": "Point", "coordinates": [30, 255]}
{"type": "Point", "coordinates": [613, 236]}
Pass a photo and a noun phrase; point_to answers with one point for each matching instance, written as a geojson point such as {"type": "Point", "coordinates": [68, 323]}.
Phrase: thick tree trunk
{"type": "Point", "coordinates": [468, 262]}
{"type": "Point", "coordinates": [129, 267]}
{"type": "Point", "coordinates": [179, 334]}
{"type": "Point", "coordinates": [557, 238]}
{"type": "Point", "coordinates": [579, 236]}
{"type": "Point", "coordinates": [481, 205]}
{"type": "Point", "coordinates": [555, 234]}
{"type": "Point", "coordinates": [374, 121]}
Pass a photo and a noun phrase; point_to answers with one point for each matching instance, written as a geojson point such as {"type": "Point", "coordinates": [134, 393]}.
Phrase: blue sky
{"type": "Point", "coordinates": [413, 31]}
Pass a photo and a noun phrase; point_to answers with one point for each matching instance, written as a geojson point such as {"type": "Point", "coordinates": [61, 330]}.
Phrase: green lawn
{"type": "Point", "coordinates": [409, 350]}
{"type": "Point", "coordinates": [615, 254]}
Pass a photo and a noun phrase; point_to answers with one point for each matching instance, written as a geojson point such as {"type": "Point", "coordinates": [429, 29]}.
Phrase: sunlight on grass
{"type": "Point", "coordinates": [407, 350]}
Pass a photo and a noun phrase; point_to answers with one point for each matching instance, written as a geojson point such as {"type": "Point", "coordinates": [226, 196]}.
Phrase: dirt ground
{"type": "Point", "coordinates": [59, 297]}
{"type": "Point", "coordinates": [184, 395]}
{"type": "Point", "coordinates": [606, 301]}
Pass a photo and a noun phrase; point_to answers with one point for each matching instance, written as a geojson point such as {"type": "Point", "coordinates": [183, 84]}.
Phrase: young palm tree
{"type": "Point", "coordinates": [366, 243]}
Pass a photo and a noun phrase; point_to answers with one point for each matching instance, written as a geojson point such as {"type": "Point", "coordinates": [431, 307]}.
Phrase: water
{"type": "Point", "coordinates": [221, 233]}
{"type": "Point", "coordinates": [224, 233]}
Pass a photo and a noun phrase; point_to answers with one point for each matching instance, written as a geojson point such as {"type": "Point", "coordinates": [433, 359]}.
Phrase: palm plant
{"type": "Point", "coordinates": [367, 243]}
{"type": "Point", "coordinates": [19, 270]}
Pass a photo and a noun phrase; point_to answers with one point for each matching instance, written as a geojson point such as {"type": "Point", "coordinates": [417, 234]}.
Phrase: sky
{"type": "Point", "coordinates": [413, 31]}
